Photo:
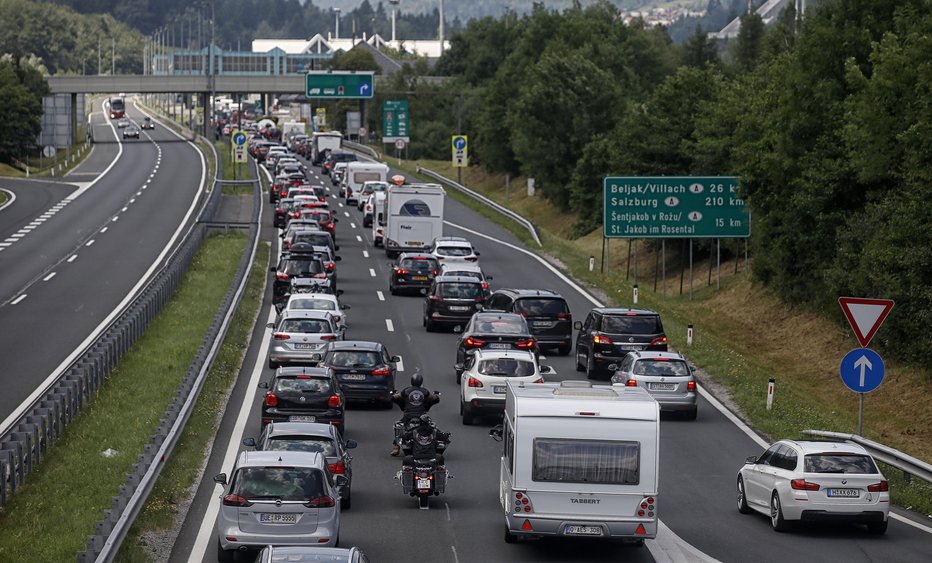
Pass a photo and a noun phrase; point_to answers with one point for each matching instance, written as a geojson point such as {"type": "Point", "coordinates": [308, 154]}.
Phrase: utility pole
{"type": "Point", "coordinates": [336, 11]}
{"type": "Point", "coordinates": [213, 70]}
{"type": "Point", "coordinates": [394, 4]}
{"type": "Point", "coordinates": [441, 26]}
{"type": "Point", "coordinates": [98, 55]}
{"type": "Point", "coordinates": [112, 56]}
{"type": "Point", "coordinates": [459, 131]}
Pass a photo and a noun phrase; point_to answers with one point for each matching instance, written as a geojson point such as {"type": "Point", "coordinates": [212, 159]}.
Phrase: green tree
{"type": "Point", "coordinates": [700, 50]}
{"type": "Point", "coordinates": [749, 45]}
{"type": "Point", "coordinates": [21, 89]}
{"type": "Point", "coordinates": [355, 59]}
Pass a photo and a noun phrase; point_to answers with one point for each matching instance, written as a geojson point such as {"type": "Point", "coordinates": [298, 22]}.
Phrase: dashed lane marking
{"type": "Point", "coordinates": [48, 277]}
{"type": "Point", "coordinates": [18, 299]}
{"type": "Point", "coordinates": [372, 272]}
{"type": "Point", "coordinates": [389, 325]}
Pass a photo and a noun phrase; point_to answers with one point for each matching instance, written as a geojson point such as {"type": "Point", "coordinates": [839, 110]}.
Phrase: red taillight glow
{"type": "Point", "coordinates": [631, 383]}
{"type": "Point", "coordinates": [470, 341]}
{"type": "Point", "coordinates": [400, 271]}
{"type": "Point", "coordinates": [338, 468]}
{"type": "Point", "coordinates": [661, 340]}
{"type": "Point", "coordinates": [435, 272]}
{"type": "Point", "coordinates": [436, 298]}
{"type": "Point", "coordinates": [881, 487]}
{"type": "Point", "coordinates": [690, 385]}
{"type": "Point", "coordinates": [328, 337]}
{"type": "Point", "coordinates": [321, 502]}
{"type": "Point", "coordinates": [330, 266]}
{"type": "Point", "coordinates": [529, 343]}
{"type": "Point", "coordinates": [382, 371]}
{"type": "Point", "coordinates": [565, 317]}
{"type": "Point", "coordinates": [334, 401]}
{"type": "Point", "coordinates": [281, 336]}
{"type": "Point", "coordinates": [473, 382]}
{"type": "Point", "coordinates": [803, 485]}
{"type": "Point", "coordinates": [640, 530]}
{"type": "Point", "coordinates": [235, 500]}
{"type": "Point", "coordinates": [282, 276]}
{"type": "Point", "coordinates": [271, 400]}
{"type": "Point", "coordinates": [599, 339]}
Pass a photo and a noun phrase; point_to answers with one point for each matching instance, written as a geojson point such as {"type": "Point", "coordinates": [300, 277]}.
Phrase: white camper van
{"type": "Point", "coordinates": [579, 460]}
{"type": "Point", "coordinates": [323, 142]}
{"type": "Point", "coordinates": [414, 214]}
{"type": "Point", "coordinates": [357, 174]}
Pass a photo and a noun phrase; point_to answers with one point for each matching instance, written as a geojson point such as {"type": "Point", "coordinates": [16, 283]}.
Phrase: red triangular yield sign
{"type": "Point", "coordinates": [865, 315]}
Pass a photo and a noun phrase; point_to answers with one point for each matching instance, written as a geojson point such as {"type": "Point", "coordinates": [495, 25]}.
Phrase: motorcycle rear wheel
{"type": "Point", "coordinates": [423, 501]}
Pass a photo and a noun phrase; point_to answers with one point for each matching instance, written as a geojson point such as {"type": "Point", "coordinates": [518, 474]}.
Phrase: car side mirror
{"type": "Point", "coordinates": [396, 359]}
{"type": "Point", "coordinates": [496, 432]}
{"type": "Point", "coordinates": [489, 278]}
{"type": "Point", "coordinates": [273, 268]}
{"type": "Point", "coordinates": [340, 480]}
{"type": "Point", "coordinates": [335, 220]}
{"type": "Point", "coordinates": [271, 325]}
{"type": "Point", "coordinates": [751, 460]}
{"type": "Point", "coordinates": [477, 253]}
{"type": "Point", "coordinates": [339, 292]}
{"type": "Point", "coordinates": [546, 369]}
{"type": "Point", "coordinates": [612, 367]}
{"type": "Point", "coordinates": [345, 307]}
{"type": "Point", "coordinates": [249, 442]}
{"type": "Point", "coordinates": [263, 385]}
{"type": "Point", "coordinates": [220, 478]}
{"type": "Point", "coordinates": [336, 247]}
{"type": "Point", "coordinates": [350, 444]}
{"type": "Point", "coordinates": [458, 366]}
{"type": "Point", "coordinates": [577, 325]}
{"type": "Point", "coordinates": [693, 368]}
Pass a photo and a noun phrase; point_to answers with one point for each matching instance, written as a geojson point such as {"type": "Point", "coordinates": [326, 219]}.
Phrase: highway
{"type": "Point", "coordinates": [699, 459]}
{"type": "Point", "coordinates": [77, 249]}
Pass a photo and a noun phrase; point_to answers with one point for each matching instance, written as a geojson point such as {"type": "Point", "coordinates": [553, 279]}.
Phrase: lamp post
{"type": "Point", "coordinates": [336, 12]}
{"type": "Point", "coordinates": [394, 4]}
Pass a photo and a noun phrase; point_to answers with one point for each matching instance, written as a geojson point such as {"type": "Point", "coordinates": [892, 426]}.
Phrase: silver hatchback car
{"type": "Point", "coordinates": [667, 376]}
{"type": "Point", "coordinates": [278, 498]}
{"type": "Point", "coordinates": [299, 335]}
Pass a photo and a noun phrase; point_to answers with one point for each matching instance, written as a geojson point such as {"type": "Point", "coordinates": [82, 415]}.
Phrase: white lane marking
{"type": "Point", "coordinates": [5, 244]}
{"type": "Point", "coordinates": [10, 198]}
{"type": "Point", "coordinates": [73, 258]}
{"type": "Point", "coordinates": [345, 212]}
{"type": "Point", "coordinates": [352, 225]}
{"type": "Point", "coordinates": [372, 272]}
{"type": "Point", "coordinates": [381, 295]}
{"type": "Point", "coordinates": [133, 200]}
{"type": "Point", "coordinates": [17, 235]}
{"type": "Point", "coordinates": [115, 219]}
{"type": "Point", "coordinates": [139, 193]}
{"type": "Point", "coordinates": [35, 224]}
{"type": "Point", "coordinates": [104, 230]}
{"type": "Point", "coordinates": [18, 299]}
{"type": "Point", "coordinates": [48, 277]}
{"type": "Point", "coordinates": [389, 325]}
{"type": "Point", "coordinates": [447, 506]}
{"type": "Point", "coordinates": [358, 238]}
{"type": "Point", "coordinates": [124, 210]}
{"type": "Point", "coordinates": [90, 242]}
{"type": "Point", "coordinates": [453, 547]}
{"type": "Point", "coordinates": [400, 364]}
{"type": "Point", "coordinates": [10, 239]}
{"type": "Point", "coordinates": [365, 253]}
{"type": "Point", "coordinates": [77, 194]}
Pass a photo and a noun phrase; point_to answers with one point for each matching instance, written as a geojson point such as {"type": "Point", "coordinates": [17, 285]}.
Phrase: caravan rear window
{"type": "Point", "coordinates": [360, 177]}
{"type": "Point", "coordinates": [586, 461]}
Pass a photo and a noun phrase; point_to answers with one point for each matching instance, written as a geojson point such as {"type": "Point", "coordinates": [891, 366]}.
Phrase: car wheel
{"type": "Point", "coordinates": [776, 514]}
{"type": "Point", "coordinates": [579, 366]}
{"type": "Point", "coordinates": [509, 537]}
{"type": "Point", "coordinates": [347, 501]}
{"type": "Point", "coordinates": [224, 555]}
{"type": "Point", "coordinates": [565, 349]}
{"type": "Point", "coordinates": [877, 528]}
{"type": "Point", "coordinates": [590, 372]}
{"type": "Point", "coordinates": [429, 325]}
{"type": "Point", "coordinates": [466, 412]}
{"type": "Point", "coordinates": [743, 507]}
{"type": "Point", "coordinates": [391, 289]}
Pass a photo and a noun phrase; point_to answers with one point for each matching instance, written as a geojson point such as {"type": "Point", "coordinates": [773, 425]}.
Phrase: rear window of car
{"type": "Point", "coordinates": [506, 367]}
{"type": "Point", "coordinates": [299, 443]}
{"type": "Point", "coordinates": [285, 483]}
{"type": "Point", "coordinates": [501, 326]}
{"type": "Point", "coordinates": [541, 307]}
{"type": "Point", "coordinates": [419, 264]}
{"type": "Point", "coordinates": [354, 359]}
{"type": "Point", "coordinates": [319, 304]}
{"type": "Point", "coordinates": [297, 266]}
{"type": "Point", "coordinates": [316, 214]}
{"type": "Point", "coordinates": [839, 463]}
{"type": "Point", "coordinates": [586, 461]}
{"type": "Point", "coordinates": [460, 290]}
{"type": "Point", "coordinates": [670, 368]}
{"type": "Point", "coordinates": [454, 250]}
{"type": "Point", "coordinates": [315, 238]}
{"type": "Point", "coordinates": [307, 326]}
{"type": "Point", "coordinates": [632, 324]}
{"type": "Point", "coordinates": [303, 384]}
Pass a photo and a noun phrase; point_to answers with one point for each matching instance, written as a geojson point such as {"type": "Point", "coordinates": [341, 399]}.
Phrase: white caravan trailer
{"type": "Point", "coordinates": [414, 214]}
{"type": "Point", "coordinates": [378, 218]}
{"type": "Point", "coordinates": [580, 461]}
{"type": "Point", "coordinates": [322, 142]}
{"type": "Point", "coordinates": [358, 173]}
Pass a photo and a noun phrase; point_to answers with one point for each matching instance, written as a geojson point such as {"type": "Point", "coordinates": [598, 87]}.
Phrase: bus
{"type": "Point", "coordinates": [117, 108]}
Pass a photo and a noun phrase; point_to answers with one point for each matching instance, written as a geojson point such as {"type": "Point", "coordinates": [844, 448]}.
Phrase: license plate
{"type": "Point", "coordinates": [354, 376]}
{"type": "Point", "coordinates": [661, 386]}
{"type": "Point", "coordinates": [542, 324]}
{"type": "Point", "coordinates": [500, 345]}
{"type": "Point", "coordinates": [853, 493]}
{"type": "Point", "coordinates": [583, 530]}
{"type": "Point", "coordinates": [419, 278]}
{"type": "Point", "coordinates": [631, 346]}
{"type": "Point", "coordinates": [302, 418]}
{"type": "Point", "coordinates": [498, 388]}
{"type": "Point", "coordinates": [423, 483]}
{"type": "Point", "coordinates": [458, 308]}
{"type": "Point", "coordinates": [306, 346]}
{"type": "Point", "coordinates": [273, 518]}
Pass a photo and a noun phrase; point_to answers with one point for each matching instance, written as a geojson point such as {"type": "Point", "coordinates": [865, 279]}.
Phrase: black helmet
{"type": "Point", "coordinates": [417, 380]}
{"type": "Point", "coordinates": [425, 419]}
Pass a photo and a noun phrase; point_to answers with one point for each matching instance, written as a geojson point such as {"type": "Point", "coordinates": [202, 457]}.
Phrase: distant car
{"type": "Point", "coordinates": [608, 334]}
{"type": "Point", "coordinates": [303, 394]}
{"type": "Point", "coordinates": [299, 334]}
{"type": "Point", "coordinates": [311, 554]}
{"type": "Point", "coordinates": [413, 271]}
{"type": "Point", "coordinates": [311, 437]}
{"type": "Point", "coordinates": [277, 497]}
{"type": "Point", "coordinates": [485, 375]}
{"type": "Point", "coordinates": [131, 131]}
{"type": "Point", "coordinates": [123, 122]}
{"type": "Point", "coordinates": [547, 312]}
{"type": "Point", "coordinates": [667, 376]}
{"type": "Point", "coordinates": [802, 481]}
{"type": "Point", "coordinates": [452, 301]}
{"type": "Point", "coordinates": [365, 370]}
{"type": "Point", "coordinates": [467, 269]}
{"type": "Point", "coordinates": [453, 249]}
{"type": "Point", "coordinates": [295, 265]}
{"type": "Point", "coordinates": [368, 188]}
{"type": "Point", "coordinates": [496, 331]}
{"type": "Point", "coordinates": [147, 123]}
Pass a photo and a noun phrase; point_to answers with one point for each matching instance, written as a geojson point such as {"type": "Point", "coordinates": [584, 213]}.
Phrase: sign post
{"type": "Point", "coordinates": [862, 370]}
{"type": "Point", "coordinates": [238, 149]}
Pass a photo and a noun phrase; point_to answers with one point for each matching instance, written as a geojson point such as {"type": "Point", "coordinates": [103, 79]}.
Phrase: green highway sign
{"type": "Point", "coordinates": [674, 207]}
{"type": "Point", "coordinates": [339, 85]}
{"type": "Point", "coordinates": [395, 121]}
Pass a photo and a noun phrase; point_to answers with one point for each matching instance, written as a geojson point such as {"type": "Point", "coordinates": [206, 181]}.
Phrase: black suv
{"type": "Point", "coordinates": [303, 394]}
{"type": "Point", "coordinates": [496, 331]}
{"type": "Point", "coordinates": [300, 262]}
{"type": "Point", "coordinates": [365, 370]}
{"type": "Point", "coordinates": [413, 271]}
{"type": "Point", "coordinates": [608, 334]}
{"type": "Point", "coordinates": [452, 300]}
{"type": "Point", "coordinates": [547, 313]}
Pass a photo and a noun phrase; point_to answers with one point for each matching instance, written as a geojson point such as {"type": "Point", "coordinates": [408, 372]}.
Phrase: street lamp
{"type": "Point", "coordinates": [394, 4]}
{"type": "Point", "coordinates": [336, 12]}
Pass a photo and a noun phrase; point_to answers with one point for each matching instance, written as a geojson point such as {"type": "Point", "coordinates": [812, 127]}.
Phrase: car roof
{"type": "Point", "coordinates": [305, 314]}
{"type": "Point", "coordinates": [462, 243]}
{"type": "Point", "coordinates": [415, 256]}
{"type": "Point", "coordinates": [281, 459]}
{"type": "Point", "coordinates": [831, 447]}
{"type": "Point", "coordinates": [291, 371]}
{"type": "Point", "coordinates": [653, 355]}
{"type": "Point", "coordinates": [530, 292]}
{"type": "Point", "coordinates": [355, 345]}
{"type": "Point", "coordinates": [334, 554]}
{"type": "Point", "coordinates": [450, 239]}
{"type": "Point", "coordinates": [305, 428]}
{"type": "Point", "coordinates": [327, 296]}
{"type": "Point", "coordinates": [455, 278]}
{"type": "Point", "coordinates": [624, 311]}
{"type": "Point", "coordinates": [501, 315]}
{"type": "Point", "coordinates": [488, 353]}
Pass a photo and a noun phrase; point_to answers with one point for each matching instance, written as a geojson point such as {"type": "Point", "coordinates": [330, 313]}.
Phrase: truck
{"type": "Point", "coordinates": [323, 142]}
{"type": "Point", "coordinates": [579, 460]}
{"type": "Point", "coordinates": [357, 174]}
{"type": "Point", "coordinates": [414, 217]}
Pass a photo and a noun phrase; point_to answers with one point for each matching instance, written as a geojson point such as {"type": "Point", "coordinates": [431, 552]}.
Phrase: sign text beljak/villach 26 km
{"type": "Point", "coordinates": [674, 207]}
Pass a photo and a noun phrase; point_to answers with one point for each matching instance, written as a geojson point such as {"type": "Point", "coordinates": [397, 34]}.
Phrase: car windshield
{"type": "Point", "coordinates": [632, 324]}
{"type": "Point", "coordinates": [354, 359]}
{"type": "Point", "coordinates": [299, 266]}
{"type": "Point", "coordinates": [304, 384]}
{"type": "Point", "coordinates": [302, 444]}
{"type": "Point", "coordinates": [673, 368]}
{"type": "Point", "coordinates": [541, 307]}
{"type": "Point", "coordinates": [839, 463]}
{"type": "Point", "coordinates": [506, 367]}
{"type": "Point", "coordinates": [501, 326]}
{"type": "Point", "coordinates": [318, 304]}
{"type": "Point", "coordinates": [308, 326]}
{"type": "Point", "coordinates": [459, 290]}
{"type": "Point", "coordinates": [454, 250]}
{"type": "Point", "coordinates": [418, 264]}
{"type": "Point", "coordinates": [284, 483]}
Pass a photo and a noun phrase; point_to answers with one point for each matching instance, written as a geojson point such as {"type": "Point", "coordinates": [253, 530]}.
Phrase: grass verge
{"type": "Point", "coordinates": [50, 518]}
{"type": "Point", "coordinates": [744, 335]}
{"type": "Point", "coordinates": [233, 170]}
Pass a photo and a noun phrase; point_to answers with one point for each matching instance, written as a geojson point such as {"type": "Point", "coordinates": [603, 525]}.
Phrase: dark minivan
{"type": "Point", "coordinates": [547, 313]}
{"type": "Point", "coordinates": [608, 334]}
{"type": "Point", "coordinates": [452, 300]}
{"type": "Point", "coordinates": [303, 394]}
{"type": "Point", "coordinates": [365, 370]}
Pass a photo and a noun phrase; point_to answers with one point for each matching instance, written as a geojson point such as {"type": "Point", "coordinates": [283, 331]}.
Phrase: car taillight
{"type": "Point", "coordinates": [281, 276]}
{"type": "Point", "coordinates": [473, 382]}
{"type": "Point", "coordinates": [565, 317]}
{"type": "Point", "coordinates": [334, 401]}
{"type": "Point", "coordinates": [539, 380]}
{"type": "Point", "coordinates": [400, 271]}
{"type": "Point", "coordinates": [599, 339]}
{"type": "Point", "coordinates": [881, 487]}
{"type": "Point", "coordinates": [529, 343]}
{"type": "Point", "coordinates": [235, 500]}
{"type": "Point", "coordinates": [382, 371]}
{"type": "Point", "coordinates": [631, 383]}
{"type": "Point", "coordinates": [330, 226]}
{"type": "Point", "coordinates": [338, 468]}
{"type": "Point", "coordinates": [803, 485]}
{"type": "Point", "coordinates": [281, 336]}
{"type": "Point", "coordinates": [320, 502]}
{"type": "Point", "coordinates": [331, 266]}
{"type": "Point", "coordinates": [485, 285]}
{"type": "Point", "coordinates": [661, 340]}
{"type": "Point", "coordinates": [472, 258]}
{"type": "Point", "coordinates": [435, 272]}
{"type": "Point", "coordinates": [690, 385]}
{"type": "Point", "coordinates": [436, 298]}
{"type": "Point", "coordinates": [328, 337]}
{"type": "Point", "coordinates": [470, 341]}
{"type": "Point", "coordinates": [271, 400]}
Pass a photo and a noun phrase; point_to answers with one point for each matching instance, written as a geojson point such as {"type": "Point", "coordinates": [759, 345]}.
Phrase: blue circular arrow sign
{"type": "Point", "coordinates": [862, 370]}
{"type": "Point", "coordinates": [239, 138]}
{"type": "Point", "coordinates": [459, 143]}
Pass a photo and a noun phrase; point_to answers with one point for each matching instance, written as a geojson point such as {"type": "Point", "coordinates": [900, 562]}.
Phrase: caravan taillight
{"type": "Point", "coordinates": [522, 504]}
{"type": "Point", "coordinates": [647, 507]}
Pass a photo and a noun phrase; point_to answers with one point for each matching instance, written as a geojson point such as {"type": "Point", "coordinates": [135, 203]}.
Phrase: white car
{"type": "Point", "coordinates": [319, 302]}
{"type": "Point", "coordinates": [815, 482]}
{"type": "Point", "coordinates": [485, 375]}
{"type": "Point", "coordinates": [453, 249]}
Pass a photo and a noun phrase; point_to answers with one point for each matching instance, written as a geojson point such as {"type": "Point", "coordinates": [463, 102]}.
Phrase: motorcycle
{"type": "Point", "coordinates": [401, 428]}
{"type": "Point", "coordinates": [424, 479]}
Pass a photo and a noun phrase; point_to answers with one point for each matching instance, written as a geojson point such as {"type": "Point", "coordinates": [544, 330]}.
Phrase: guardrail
{"type": "Point", "coordinates": [481, 198]}
{"type": "Point", "coordinates": [363, 148]}
{"type": "Point", "coordinates": [904, 462]}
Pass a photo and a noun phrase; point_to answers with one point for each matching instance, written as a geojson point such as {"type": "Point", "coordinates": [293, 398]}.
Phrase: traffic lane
{"type": "Point", "coordinates": [103, 150]}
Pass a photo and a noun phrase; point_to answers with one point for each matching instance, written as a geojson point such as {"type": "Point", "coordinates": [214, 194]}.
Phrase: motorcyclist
{"type": "Point", "coordinates": [424, 438]}
{"type": "Point", "coordinates": [414, 401]}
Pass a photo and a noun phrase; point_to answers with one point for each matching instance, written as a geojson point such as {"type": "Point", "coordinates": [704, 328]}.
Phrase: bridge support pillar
{"type": "Point", "coordinates": [74, 120]}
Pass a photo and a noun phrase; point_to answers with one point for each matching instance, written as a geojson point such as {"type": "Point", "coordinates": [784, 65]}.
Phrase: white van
{"type": "Point", "coordinates": [324, 141]}
{"type": "Point", "coordinates": [357, 174]}
{"type": "Point", "coordinates": [378, 217]}
{"type": "Point", "coordinates": [414, 217]}
{"type": "Point", "coordinates": [579, 460]}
